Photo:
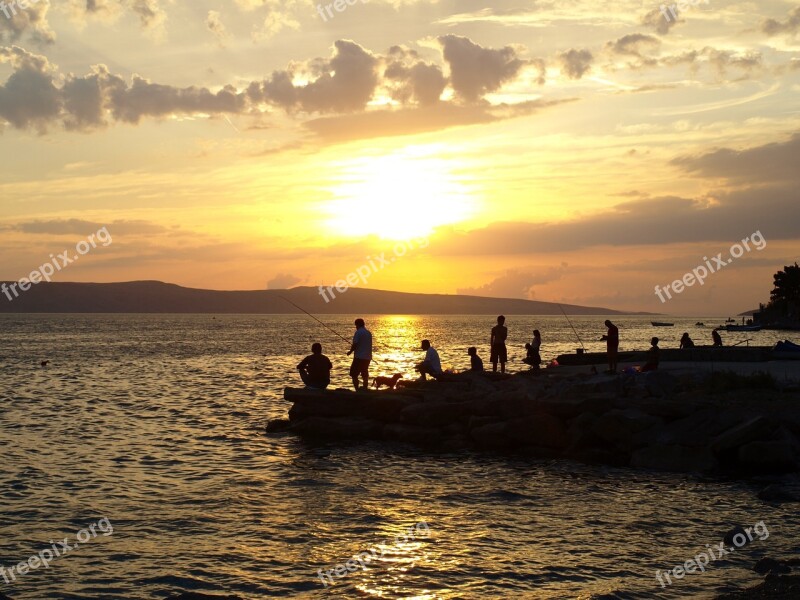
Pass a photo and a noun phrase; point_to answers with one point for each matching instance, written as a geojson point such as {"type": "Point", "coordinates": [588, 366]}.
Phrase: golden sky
{"type": "Point", "coordinates": [571, 151]}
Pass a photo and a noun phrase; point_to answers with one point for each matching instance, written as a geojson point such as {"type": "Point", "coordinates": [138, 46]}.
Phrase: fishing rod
{"type": "Point", "coordinates": [573, 328]}
{"type": "Point", "coordinates": [300, 308]}
{"type": "Point", "coordinates": [333, 331]}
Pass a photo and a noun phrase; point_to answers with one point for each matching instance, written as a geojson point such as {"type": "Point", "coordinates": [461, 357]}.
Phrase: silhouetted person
{"type": "Point", "coordinates": [717, 338]}
{"type": "Point", "coordinates": [652, 356]}
{"type": "Point", "coordinates": [475, 362]}
{"type": "Point", "coordinates": [362, 354]}
{"type": "Point", "coordinates": [533, 357]}
{"type": "Point", "coordinates": [497, 343]}
{"type": "Point", "coordinates": [431, 365]}
{"type": "Point", "coordinates": [315, 369]}
{"type": "Point", "coordinates": [612, 346]}
{"type": "Point", "coordinates": [686, 341]}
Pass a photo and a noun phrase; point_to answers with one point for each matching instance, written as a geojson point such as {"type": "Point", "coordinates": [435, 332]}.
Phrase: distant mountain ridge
{"type": "Point", "coordinates": [160, 297]}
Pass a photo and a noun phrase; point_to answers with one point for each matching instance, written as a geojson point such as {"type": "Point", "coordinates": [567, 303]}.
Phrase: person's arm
{"type": "Point", "coordinates": [303, 364]}
{"type": "Point", "coordinates": [353, 345]}
{"type": "Point", "coordinates": [491, 339]}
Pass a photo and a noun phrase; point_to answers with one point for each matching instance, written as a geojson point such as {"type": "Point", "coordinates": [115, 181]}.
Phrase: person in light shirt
{"type": "Point", "coordinates": [362, 350]}
{"type": "Point", "coordinates": [431, 365]}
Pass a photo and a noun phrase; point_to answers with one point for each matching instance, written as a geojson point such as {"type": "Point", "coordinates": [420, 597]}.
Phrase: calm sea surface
{"type": "Point", "coordinates": [156, 423]}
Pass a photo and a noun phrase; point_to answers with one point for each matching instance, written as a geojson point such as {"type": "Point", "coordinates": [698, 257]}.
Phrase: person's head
{"type": "Point", "coordinates": [359, 323]}
{"type": "Point", "coordinates": [654, 341]}
{"type": "Point", "coordinates": [316, 348]}
{"type": "Point", "coordinates": [426, 344]}
{"type": "Point", "coordinates": [685, 334]}
{"type": "Point", "coordinates": [608, 323]}
{"type": "Point", "coordinates": [501, 319]}
{"type": "Point", "coordinates": [472, 351]}
{"type": "Point", "coordinates": [536, 333]}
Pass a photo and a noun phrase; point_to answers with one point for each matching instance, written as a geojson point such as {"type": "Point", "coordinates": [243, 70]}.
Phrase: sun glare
{"type": "Point", "coordinates": [398, 196]}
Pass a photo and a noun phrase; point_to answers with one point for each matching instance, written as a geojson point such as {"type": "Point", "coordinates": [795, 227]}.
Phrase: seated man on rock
{"type": "Point", "coordinates": [431, 365]}
{"type": "Point", "coordinates": [652, 357]}
{"type": "Point", "coordinates": [315, 369]}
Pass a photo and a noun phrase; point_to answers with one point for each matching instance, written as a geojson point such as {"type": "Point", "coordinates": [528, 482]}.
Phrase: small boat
{"type": "Point", "coordinates": [699, 324]}
{"type": "Point", "coordinates": [660, 324]}
{"type": "Point", "coordinates": [743, 328]}
{"type": "Point", "coordinates": [729, 320]}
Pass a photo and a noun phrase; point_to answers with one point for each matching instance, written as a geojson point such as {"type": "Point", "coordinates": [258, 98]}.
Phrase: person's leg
{"type": "Point", "coordinates": [365, 374]}
{"type": "Point", "coordinates": [503, 358]}
{"type": "Point", "coordinates": [354, 373]}
{"type": "Point", "coordinates": [304, 377]}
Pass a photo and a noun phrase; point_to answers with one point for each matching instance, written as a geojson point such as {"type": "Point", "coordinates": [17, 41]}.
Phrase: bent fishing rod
{"type": "Point", "coordinates": [573, 328]}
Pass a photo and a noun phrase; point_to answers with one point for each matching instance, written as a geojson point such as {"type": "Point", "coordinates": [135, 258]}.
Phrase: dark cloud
{"type": "Point", "coordinates": [661, 20]}
{"type": "Point", "coordinates": [790, 25]}
{"type": "Point", "coordinates": [476, 71]}
{"type": "Point", "coordinates": [81, 227]}
{"type": "Point", "coordinates": [632, 44]}
{"type": "Point", "coordinates": [16, 22]}
{"type": "Point", "coordinates": [774, 163]}
{"type": "Point", "coordinates": [37, 96]}
{"type": "Point", "coordinates": [576, 63]}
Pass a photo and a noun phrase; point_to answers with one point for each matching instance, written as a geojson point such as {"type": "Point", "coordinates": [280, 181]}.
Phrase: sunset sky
{"type": "Point", "coordinates": [572, 151]}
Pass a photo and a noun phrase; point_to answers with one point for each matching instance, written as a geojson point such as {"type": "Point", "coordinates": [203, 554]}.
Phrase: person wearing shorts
{"type": "Point", "coordinates": [362, 354]}
{"type": "Point", "coordinates": [497, 343]}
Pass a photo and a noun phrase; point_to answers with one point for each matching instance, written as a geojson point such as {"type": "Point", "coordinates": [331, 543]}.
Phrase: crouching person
{"type": "Point", "coordinates": [315, 369]}
{"type": "Point", "coordinates": [431, 365]}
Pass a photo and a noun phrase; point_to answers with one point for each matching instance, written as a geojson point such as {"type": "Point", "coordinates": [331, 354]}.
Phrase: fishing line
{"type": "Point", "coordinates": [573, 328]}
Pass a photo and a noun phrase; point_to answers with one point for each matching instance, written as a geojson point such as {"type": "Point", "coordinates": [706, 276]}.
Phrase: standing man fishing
{"type": "Point", "coordinates": [497, 345]}
{"type": "Point", "coordinates": [612, 346]}
{"type": "Point", "coordinates": [362, 354]}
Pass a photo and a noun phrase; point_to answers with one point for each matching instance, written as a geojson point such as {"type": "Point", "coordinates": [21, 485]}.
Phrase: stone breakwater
{"type": "Point", "coordinates": [690, 422]}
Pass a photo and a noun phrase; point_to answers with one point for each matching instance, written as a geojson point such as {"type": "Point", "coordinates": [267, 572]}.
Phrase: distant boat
{"type": "Point", "coordinates": [743, 328]}
{"type": "Point", "coordinates": [699, 324]}
{"type": "Point", "coordinates": [660, 324]}
{"type": "Point", "coordinates": [786, 351]}
{"type": "Point", "coordinates": [729, 320]}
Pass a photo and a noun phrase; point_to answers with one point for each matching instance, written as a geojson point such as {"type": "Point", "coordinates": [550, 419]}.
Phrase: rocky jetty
{"type": "Point", "coordinates": [689, 422]}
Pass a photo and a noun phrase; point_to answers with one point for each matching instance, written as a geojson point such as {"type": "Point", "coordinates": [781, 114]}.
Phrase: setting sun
{"type": "Point", "coordinates": [398, 196]}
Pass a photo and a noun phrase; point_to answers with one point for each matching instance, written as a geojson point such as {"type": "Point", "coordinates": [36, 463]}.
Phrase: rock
{"type": "Point", "coordinates": [770, 565]}
{"type": "Point", "coordinates": [660, 383]}
{"type": "Point", "coordinates": [387, 406]}
{"type": "Point", "coordinates": [455, 443]}
{"type": "Point", "coordinates": [493, 435]}
{"type": "Point", "coordinates": [746, 432]}
{"type": "Point", "coordinates": [433, 414]}
{"type": "Point", "coordinates": [339, 427]}
{"type": "Point", "coordinates": [275, 426]}
{"type": "Point", "coordinates": [619, 426]}
{"type": "Point", "coordinates": [4, 597]}
{"type": "Point", "coordinates": [775, 587]}
{"type": "Point", "coordinates": [733, 533]}
{"type": "Point", "coordinates": [693, 430]}
{"type": "Point", "coordinates": [570, 407]}
{"type": "Point", "coordinates": [683, 459]}
{"type": "Point", "coordinates": [581, 431]}
{"type": "Point", "coordinates": [413, 434]}
{"type": "Point", "coordinates": [769, 457]}
{"type": "Point", "coordinates": [541, 430]}
{"type": "Point", "coordinates": [777, 493]}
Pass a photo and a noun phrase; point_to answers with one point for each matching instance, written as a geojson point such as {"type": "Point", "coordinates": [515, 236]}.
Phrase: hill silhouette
{"type": "Point", "coordinates": [159, 297]}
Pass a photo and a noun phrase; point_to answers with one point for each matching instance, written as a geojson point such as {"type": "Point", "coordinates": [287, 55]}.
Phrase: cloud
{"type": "Point", "coordinates": [81, 227]}
{"type": "Point", "coordinates": [632, 44]}
{"type": "Point", "coordinates": [36, 95]}
{"type": "Point", "coordinates": [791, 25]}
{"type": "Point", "coordinates": [283, 281]}
{"type": "Point", "coordinates": [475, 71]}
{"type": "Point", "coordinates": [15, 22]}
{"type": "Point", "coordinates": [217, 28]}
{"type": "Point", "coordinates": [659, 22]}
{"type": "Point", "coordinates": [516, 283]}
{"type": "Point", "coordinates": [576, 63]}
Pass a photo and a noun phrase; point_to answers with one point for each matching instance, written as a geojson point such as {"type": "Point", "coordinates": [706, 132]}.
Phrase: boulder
{"type": "Point", "coordinates": [749, 431]}
{"type": "Point", "coordinates": [541, 430]}
{"type": "Point", "coordinates": [433, 414]}
{"type": "Point", "coordinates": [387, 407]}
{"type": "Point", "coordinates": [770, 565]}
{"type": "Point", "coordinates": [568, 407]}
{"type": "Point", "coordinates": [770, 457]}
{"type": "Point", "coordinates": [777, 493]}
{"type": "Point", "coordinates": [275, 426]}
{"type": "Point", "coordinates": [338, 427]}
{"type": "Point", "coordinates": [694, 430]}
{"type": "Point", "coordinates": [581, 431]}
{"type": "Point", "coordinates": [660, 383]}
{"type": "Point", "coordinates": [413, 434]}
{"type": "Point", "coordinates": [681, 459]}
{"type": "Point", "coordinates": [619, 426]}
{"type": "Point", "coordinates": [493, 435]}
